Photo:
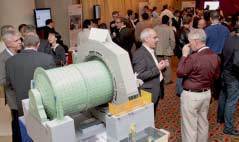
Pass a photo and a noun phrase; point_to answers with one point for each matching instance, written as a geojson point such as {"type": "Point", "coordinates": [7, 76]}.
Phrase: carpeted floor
{"type": "Point", "coordinates": [168, 116]}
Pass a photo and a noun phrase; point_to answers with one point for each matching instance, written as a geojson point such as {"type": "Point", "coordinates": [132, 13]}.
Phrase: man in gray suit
{"type": "Point", "coordinates": [20, 68]}
{"type": "Point", "coordinates": [145, 64]}
{"type": "Point", "coordinates": [13, 44]}
{"type": "Point", "coordinates": [44, 44]}
{"type": "Point", "coordinates": [165, 46]}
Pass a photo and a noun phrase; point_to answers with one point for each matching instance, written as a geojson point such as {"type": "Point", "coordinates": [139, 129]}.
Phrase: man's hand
{"type": "Point", "coordinates": [186, 50]}
{"type": "Point", "coordinates": [166, 62]}
{"type": "Point", "coordinates": [161, 65]}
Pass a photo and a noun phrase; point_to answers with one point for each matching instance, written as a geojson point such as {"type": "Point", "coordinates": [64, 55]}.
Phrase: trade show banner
{"type": "Point", "coordinates": [75, 23]}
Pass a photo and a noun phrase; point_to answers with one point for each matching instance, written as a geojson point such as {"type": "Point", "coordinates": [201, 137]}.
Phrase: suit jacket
{"type": "Point", "coordinates": [113, 29]}
{"type": "Point", "coordinates": [125, 38]}
{"type": "Point", "coordinates": [20, 69]}
{"type": "Point", "coordinates": [10, 96]}
{"type": "Point", "coordinates": [47, 30]}
{"type": "Point", "coordinates": [59, 55]}
{"type": "Point", "coordinates": [166, 43]}
{"type": "Point", "coordinates": [2, 46]}
{"type": "Point", "coordinates": [3, 58]}
{"type": "Point", "coordinates": [44, 46]}
{"type": "Point", "coordinates": [144, 65]}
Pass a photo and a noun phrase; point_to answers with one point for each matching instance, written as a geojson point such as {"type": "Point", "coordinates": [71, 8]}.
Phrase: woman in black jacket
{"type": "Point", "coordinates": [57, 51]}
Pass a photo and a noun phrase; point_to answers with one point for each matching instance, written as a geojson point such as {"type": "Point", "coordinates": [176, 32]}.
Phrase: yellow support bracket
{"type": "Point", "coordinates": [143, 99]}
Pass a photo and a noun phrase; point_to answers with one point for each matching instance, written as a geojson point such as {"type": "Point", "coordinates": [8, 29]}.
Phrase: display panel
{"type": "Point", "coordinates": [213, 5]}
{"type": "Point", "coordinates": [41, 15]}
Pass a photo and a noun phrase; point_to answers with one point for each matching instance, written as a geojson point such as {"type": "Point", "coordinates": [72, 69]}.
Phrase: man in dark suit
{"type": "Point", "coordinates": [20, 68]}
{"type": "Point", "coordinates": [125, 37]}
{"type": "Point", "coordinates": [44, 45]}
{"type": "Point", "coordinates": [113, 28]}
{"type": "Point", "coordinates": [48, 28]}
{"type": "Point", "coordinates": [13, 44]}
{"type": "Point", "coordinates": [145, 64]}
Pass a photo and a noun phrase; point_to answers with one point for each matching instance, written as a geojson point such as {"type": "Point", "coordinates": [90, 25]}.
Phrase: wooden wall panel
{"type": "Point", "coordinates": [108, 6]}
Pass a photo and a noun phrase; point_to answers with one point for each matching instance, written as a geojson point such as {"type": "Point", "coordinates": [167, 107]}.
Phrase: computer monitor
{"type": "Point", "coordinates": [213, 5]}
{"type": "Point", "coordinates": [41, 15]}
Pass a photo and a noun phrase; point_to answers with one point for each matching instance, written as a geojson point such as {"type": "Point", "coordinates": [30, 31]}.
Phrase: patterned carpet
{"type": "Point", "coordinates": [168, 116]}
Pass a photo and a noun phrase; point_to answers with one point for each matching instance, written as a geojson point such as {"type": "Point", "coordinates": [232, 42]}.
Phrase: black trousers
{"type": "Point", "coordinates": [156, 102]}
{"type": "Point", "coordinates": [16, 134]}
{"type": "Point", "coordinates": [161, 89]}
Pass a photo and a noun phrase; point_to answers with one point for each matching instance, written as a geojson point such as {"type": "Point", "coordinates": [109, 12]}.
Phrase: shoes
{"type": "Point", "coordinates": [233, 132]}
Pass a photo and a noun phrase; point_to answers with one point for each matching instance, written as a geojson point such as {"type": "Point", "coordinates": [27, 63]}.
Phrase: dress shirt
{"type": "Point", "coordinates": [30, 48]}
{"type": "Point", "coordinates": [199, 69]}
{"type": "Point", "coordinates": [9, 51]}
{"type": "Point", "coordinates": [151, 51]}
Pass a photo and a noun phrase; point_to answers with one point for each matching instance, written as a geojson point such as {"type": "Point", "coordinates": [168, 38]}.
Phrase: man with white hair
{"type": "Point", "coordinates": [20, 68]}
{"type": "Point", "coordinates": [4, 29]}
{"type": "Point", "coordinates": [13, 44]}
{"type": "Point", "coordinates": [198, 71]}
{"type": "Point", "coordinates": [145, 64]}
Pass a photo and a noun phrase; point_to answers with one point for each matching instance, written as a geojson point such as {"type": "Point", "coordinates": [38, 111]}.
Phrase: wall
{"type": "Point", "coordinates": [22, 10]}
{"type": "Point", "coordinates": [108, 6]}
{"type": "Point", "coordinates": [16, 12]}
{"type": "Point", "coordinates": [59, 15]}
{"type": "Point", "coordinates": [173, 4]}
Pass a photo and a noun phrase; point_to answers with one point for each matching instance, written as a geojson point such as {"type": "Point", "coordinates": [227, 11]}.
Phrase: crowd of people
{"type": "Point", "coordinates": [21, 53]}
{"type": "Point", "coordinates": [206, 43]}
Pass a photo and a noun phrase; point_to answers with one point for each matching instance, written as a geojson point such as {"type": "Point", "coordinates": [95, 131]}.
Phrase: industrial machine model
{"type": "Point", "coordinates": [96, 99]}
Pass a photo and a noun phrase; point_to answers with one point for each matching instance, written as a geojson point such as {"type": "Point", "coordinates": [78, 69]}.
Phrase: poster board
{"type": "Point", "coordinates": [74, 23]}
{"type": "Point", "coordinates": [213, 5]}
{"type": "Point", "coordinates": [187, 4]}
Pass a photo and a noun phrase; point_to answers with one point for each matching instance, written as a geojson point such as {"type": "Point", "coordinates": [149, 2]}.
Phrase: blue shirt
{"type": "Point", "coordinates": [216, 36]}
